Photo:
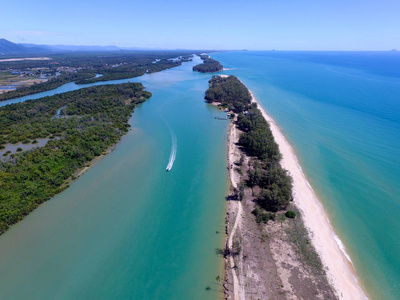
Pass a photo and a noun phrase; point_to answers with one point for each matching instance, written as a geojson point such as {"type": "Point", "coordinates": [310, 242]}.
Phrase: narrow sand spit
{"type": "Point", "coordinates": [340, 271]}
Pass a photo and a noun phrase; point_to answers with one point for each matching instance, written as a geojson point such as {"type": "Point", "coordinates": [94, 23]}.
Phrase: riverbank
{"type": "Point", "coordinates": [341, 273]}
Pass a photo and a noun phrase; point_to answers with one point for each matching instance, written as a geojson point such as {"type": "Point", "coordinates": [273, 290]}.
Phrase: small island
{"type": "Point", "coordinates": [209, 65]}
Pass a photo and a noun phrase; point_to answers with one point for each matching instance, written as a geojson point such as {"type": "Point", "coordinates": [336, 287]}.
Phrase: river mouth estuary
{"type": "Point", "coordinates": [127, 228]}
{"type": "Point", "coordinates": [147, 221]}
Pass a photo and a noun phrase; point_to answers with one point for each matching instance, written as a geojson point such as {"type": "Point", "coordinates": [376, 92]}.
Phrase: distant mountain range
{"type": "Point", "coordinates": [10, 48]}
{"type": "Point", "coordinates": [70, 48]}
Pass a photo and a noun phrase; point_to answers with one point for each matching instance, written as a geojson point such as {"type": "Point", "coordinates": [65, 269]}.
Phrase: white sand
{"type": "Point", "coordinates": [340, 269]}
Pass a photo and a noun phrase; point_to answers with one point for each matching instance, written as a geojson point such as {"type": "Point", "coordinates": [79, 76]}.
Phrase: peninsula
{"type": "Point", "coordinates": [269, 249]}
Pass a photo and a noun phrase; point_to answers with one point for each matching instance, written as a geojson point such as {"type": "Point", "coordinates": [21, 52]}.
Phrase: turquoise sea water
{"type": "Point", "coordinates": [127, 229]}
{"type": "Point", "coordinates": [341, 113]}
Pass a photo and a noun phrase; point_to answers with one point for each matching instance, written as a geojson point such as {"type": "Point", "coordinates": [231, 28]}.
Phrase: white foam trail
{"type": "Point", "coordinates": [172, 156]}
{"type": "Point", "coordinates": [345, 74]}
{"type": "Point", "coordinates": [361, 77]}
{"type": "Point", "coordinates": [174, 144]}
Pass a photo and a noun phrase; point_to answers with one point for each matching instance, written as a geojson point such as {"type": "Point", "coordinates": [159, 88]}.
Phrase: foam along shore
{"type": "Point", "coordinates": [340, 270]}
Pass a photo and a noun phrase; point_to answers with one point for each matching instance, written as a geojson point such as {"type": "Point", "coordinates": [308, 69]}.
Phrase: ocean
{"type": "Point", "coordinates": [341, 113]}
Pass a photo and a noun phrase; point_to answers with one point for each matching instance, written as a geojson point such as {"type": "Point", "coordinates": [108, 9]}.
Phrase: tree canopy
{"type": "Point", "coordinates": [229, 92]}
{"type": "Point", "coordinates": [266, 172]}
{"type": "Point", "coordinates": [209, 65]}
{"type": "Point", "coordinates": [257, 141]}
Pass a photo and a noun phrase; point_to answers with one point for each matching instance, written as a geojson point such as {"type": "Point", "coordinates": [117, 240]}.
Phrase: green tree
{"type": "Point", "coordinates": [273, 199]}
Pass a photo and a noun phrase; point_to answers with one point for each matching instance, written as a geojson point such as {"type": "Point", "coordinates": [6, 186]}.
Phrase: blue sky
{"type": "Point", "coordinates": [234, 24]}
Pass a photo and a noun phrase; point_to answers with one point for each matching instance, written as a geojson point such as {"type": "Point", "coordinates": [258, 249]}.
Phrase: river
{"type": "Point", "coordinates": [127, 229]}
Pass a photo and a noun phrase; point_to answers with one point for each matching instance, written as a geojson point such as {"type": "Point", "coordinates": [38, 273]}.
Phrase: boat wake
{"type": "Point", "coordinates": [174, 144]}
{"type": "Point", "coordinates": [172, 156]}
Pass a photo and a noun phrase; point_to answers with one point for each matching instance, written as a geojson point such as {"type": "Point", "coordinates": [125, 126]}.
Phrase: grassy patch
{"type": "Point", "coordinates": [299, 237]}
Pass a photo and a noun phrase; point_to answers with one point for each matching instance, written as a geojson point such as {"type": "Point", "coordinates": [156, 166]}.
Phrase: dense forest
{"type": "Point", "coordinates": [209, 65]}
{"type": "Point", "coordinates": [265, 170]}
{"type": "Point", "coordinates": [229, 92]}
{"type": "Point", "coordinates": [83, 67]}
{"type": "Point", "coordinates": [257, 141]}
{"type": "Point", "coordinates": [91, 120]}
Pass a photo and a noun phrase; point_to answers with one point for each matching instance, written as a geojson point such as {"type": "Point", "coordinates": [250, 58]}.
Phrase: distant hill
{"type": "Point", "coordinates": [57, 48]}
{"type": "Point", "coordinates": [13, 49]}
{"type": "Point", "coordinates": [36, 48]}
{"type": "Point", "coordinates": [10, 48]}
{"type": "Point", "coordinates": [7, 47]}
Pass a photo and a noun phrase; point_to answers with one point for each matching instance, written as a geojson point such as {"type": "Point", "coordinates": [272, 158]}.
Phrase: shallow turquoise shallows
{"type": "Point", "coordinates": [341, 113]}
{"type": "Point", "coordinates": [127, 229]}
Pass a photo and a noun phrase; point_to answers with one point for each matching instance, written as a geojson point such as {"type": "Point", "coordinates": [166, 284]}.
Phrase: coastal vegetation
{"type": "Point", "coordinates": [257, 141]}
{"type": "Point", "coordinates": [290, 214]}
{"type": "Point", "coordinates": [209, 65]}
{"type": "Point", "coordinates": [229, 92]}
{"type": "Point", "coordinates": [90, 121]}
{"type": "Point", "coordinates": [265, 170]}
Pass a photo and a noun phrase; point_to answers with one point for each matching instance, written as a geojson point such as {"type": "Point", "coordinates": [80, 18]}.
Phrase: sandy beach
{"type": "Point", "coordinates": [340, 270]}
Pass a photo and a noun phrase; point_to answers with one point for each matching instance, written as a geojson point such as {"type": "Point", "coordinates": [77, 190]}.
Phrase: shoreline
{"type": "Point", "coordinates": [234, 208]}
{"type": "Point", "coordinates": [340, 271]}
